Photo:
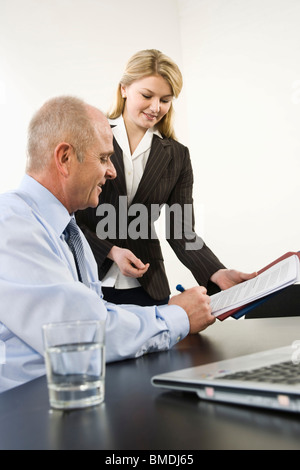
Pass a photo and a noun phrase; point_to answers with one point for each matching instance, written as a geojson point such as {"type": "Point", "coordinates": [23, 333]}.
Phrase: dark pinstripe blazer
{"type": "Point", "coordinates": [167, 179]}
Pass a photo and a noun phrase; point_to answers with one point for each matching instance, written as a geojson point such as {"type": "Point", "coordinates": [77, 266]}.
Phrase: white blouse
{"type": "Point", "coordinates": [134, 166]}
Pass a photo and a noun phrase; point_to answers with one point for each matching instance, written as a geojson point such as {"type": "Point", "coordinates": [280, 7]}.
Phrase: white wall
{"type": "Point", "coordinates": [79, 47]}
{"type": "Point", "coordinates": [242, 76]}
{"type": "Point", "coordinates": [239, 112]}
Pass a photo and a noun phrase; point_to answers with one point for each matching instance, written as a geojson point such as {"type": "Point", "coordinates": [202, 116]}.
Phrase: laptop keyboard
{"type": "Point", "coordinates": [284, 372]}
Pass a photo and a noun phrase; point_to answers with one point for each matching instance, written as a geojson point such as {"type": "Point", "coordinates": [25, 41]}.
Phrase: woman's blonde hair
{"type": "Point", "coordinates": [147, 63]}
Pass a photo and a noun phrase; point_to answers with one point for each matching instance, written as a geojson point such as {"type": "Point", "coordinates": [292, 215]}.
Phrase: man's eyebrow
{"type": "Point", "coordinates": [108, 155]}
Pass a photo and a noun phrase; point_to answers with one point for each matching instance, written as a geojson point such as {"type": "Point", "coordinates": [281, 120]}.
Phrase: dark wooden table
{"type": "Point", "coordinates": [138, 416]}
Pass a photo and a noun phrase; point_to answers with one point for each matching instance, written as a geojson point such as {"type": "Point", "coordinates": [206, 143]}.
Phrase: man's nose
{"type": "Point", "coordinates": [111, 172]}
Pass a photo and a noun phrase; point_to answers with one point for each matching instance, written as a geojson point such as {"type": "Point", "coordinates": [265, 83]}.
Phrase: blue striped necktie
{"type": "Point", "coordinates": [74, 241]}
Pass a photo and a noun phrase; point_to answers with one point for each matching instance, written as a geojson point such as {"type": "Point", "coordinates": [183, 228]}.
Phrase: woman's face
{"type": "Point", "coordinates": [147, 101]}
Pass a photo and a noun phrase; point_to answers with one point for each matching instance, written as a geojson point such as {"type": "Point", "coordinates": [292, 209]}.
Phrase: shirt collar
{"type": "Point", "coordinates": [119, 120]}
{"type": "Point", "coordinates": [49, 207]}
{"type": "Point", "coordinates": [120, 134]}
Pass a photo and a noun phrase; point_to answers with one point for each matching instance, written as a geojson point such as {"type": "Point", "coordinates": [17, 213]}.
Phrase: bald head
{"type": "Point", "coordinates": [63, 119]}
{"type": "Point", "coordinates": [100, 122]}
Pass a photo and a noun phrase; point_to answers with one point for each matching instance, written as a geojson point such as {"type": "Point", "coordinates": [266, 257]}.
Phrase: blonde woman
{"type": "Point", "coordinates": [153, 170]}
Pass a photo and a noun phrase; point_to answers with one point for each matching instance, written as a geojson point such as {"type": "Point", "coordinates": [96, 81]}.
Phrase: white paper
{"type": "Point", "coordinates": [281, 275]}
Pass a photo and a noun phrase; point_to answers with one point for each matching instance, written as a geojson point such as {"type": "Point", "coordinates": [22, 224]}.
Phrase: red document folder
{"type": "Point", "coordinates": [242, 310]}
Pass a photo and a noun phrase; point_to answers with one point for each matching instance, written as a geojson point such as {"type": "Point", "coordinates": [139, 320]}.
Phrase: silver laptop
{"type": "Point", "coordinates": [268, 379]}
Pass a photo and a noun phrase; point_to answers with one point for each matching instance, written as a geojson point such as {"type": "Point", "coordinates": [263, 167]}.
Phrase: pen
{"type": "Point", "coordinates": [180, 288]}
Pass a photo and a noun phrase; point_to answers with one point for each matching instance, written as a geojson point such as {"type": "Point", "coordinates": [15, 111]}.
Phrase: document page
{"type": "Point", "coordinates": [281, 275]}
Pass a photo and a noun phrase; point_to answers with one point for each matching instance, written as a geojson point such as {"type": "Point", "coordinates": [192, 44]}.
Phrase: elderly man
{"type": "Point", "coordinates": [41, 280]}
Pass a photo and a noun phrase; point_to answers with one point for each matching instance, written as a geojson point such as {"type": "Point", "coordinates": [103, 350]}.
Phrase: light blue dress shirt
{"type": "Point", "coordinates": [39, 284]}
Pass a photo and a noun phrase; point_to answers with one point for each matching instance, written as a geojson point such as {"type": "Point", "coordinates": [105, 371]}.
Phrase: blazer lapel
{"type": "Point", "coordinates": [117, 159]}
{"type": "Point", "coordinates": [157, 162]}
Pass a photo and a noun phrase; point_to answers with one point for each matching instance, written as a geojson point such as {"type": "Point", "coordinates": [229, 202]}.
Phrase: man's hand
{"type": "Point", "coordinates": [196, 303]}
{"type": "Point", "coordinates": [226, 278]}
{"type": "Point", "coordinates": [128, 263]}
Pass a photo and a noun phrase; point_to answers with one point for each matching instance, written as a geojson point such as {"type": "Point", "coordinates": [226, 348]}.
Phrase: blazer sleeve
{"type": "Point", "coordinates": [187, 245]}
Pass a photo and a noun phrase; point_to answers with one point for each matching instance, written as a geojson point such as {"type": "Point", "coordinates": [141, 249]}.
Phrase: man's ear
{"type": "Point", "coordinates": [64, 154]}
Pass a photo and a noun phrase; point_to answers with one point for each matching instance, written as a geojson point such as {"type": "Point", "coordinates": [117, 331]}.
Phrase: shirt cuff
{"type": "Point", "coordinates": [177, 322]}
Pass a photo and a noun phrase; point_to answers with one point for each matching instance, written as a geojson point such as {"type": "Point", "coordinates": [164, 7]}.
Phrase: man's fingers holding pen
{"type": "Point", "coordinates": [196, 303]}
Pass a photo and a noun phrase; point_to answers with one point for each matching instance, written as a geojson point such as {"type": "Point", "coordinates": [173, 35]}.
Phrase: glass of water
{"type": "Point", "coordinates": [75, 363]}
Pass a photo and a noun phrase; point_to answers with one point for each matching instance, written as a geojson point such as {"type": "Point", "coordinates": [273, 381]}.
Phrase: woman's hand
{"type": "Point", "coordinates": [128, 263]}
{"type": "Point", "coordinates": [226, 278]}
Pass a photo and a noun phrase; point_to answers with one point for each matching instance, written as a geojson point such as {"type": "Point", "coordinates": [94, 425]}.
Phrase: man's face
{"type": "Point", "coordinates": [89, 176]}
